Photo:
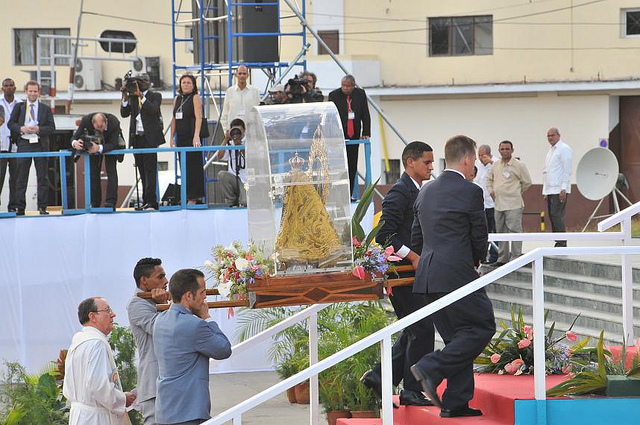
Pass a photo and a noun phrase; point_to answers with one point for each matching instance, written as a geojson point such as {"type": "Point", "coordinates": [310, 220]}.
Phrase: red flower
{"type": "Point", "coordinates": [571, 336]}
{"type": "Point", "coordinates": [358, 271]}
{"type": "Point", "coordinates": [355, 242]}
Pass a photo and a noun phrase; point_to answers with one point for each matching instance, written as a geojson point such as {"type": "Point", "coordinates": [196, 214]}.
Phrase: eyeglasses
{"type": "Point", "coordinates": [106, 310]}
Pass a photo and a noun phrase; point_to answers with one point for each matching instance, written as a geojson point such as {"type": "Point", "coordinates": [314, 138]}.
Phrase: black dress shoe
{"type": "Point", "coordinates": [414, 398]}
{"type": "Point", "coordinates": [428, 385]}
{"type": "Point", "coordinates": [457, 413]}
{"type": "Point", "coordinates": [20, 212]}
{"type": "Point", "coordinates": [43, 211]}
{"type": "Point", "coordinates": [373, 381]}
{"type": "Point", "coordinates": [150, 207]}
{"type": "Point", "coordinates": [11, 210]}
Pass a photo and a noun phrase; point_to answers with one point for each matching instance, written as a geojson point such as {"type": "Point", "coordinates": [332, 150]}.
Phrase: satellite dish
{"type": "Point", "coordinates": [597, 173]}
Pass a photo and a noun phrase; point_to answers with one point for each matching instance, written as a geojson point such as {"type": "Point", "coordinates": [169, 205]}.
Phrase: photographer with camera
{"type": "Point", "coordinates": [314, 92]}
{"type": "Point", "coordinates": [233, 179]}
{"type": "Point", "coordinates": [145, 131]}
{"type": "Point", "coordinates": [97, 134]}
{"type": "Point", "coordinates": [297, 91]}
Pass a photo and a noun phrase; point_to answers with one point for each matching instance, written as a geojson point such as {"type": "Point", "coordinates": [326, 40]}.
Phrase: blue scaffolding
{"type": "Point", "coordinates": [215, 35]}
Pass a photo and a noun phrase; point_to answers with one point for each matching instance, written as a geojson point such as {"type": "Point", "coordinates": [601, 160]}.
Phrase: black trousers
{"type": "Point", "coordinates": [491, 226]}
{"type": "Point", "coordinates": [414, 342]}
{"type": "Point", "coordinates": [352, 163]}
{"type": "Point", "coordinates": [147, 165]}
{"type": "Point", "coordinates": [557, 211]}
{"type": "Point", "coordinates": [12, 165]}
{"type": "Point", "coordinates": [24, 165]}
{"type": "Point", "coordinates": [466, 327]}
{"type": "Point", "coordinates": [95, 163]}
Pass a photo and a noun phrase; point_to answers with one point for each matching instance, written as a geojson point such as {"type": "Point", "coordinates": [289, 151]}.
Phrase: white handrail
{"type": "Point", "coordinates": [619, 217]}
{"type": "Point", "coordinates": [570, 236]}
{"type": "Point", "coordinates": [536, 256]}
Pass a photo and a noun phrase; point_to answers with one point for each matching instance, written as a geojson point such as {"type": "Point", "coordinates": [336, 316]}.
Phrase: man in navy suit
{"type": "Point", "coordinates": [31, 123]}
{"type": "Point", "coordinates": [397, 214]}
{"type": "Point", "coordinates": [184, 339]}
{"type": "Point", "coordinates": [450, 232]}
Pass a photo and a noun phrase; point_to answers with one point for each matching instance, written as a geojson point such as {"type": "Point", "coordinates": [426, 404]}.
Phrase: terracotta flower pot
{"type": "Point", "coordinates": [333, 416]}
{"type": "Point", "coordinates": [363, 414]}
{"type": "Point", "coordinates": [302, 392]}
{"type": "Point", "coordinates": [291, 395]}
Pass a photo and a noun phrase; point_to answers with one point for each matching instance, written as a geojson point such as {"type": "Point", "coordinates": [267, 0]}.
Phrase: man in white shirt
{"type": "Point", "coordinates": [91, 382]}
{"type": "Point", "coordinates": [556, 179]}
{"type": "Point", "coordinates": [238, 99]}
{"type": "Point", "coordinates": [484, 162]}
{"type": "Point", "coordinates": [8, 101]}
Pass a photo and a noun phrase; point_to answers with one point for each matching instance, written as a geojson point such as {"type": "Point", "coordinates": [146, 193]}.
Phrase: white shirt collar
{"type": "Point", "coordinates": [418, 185]}
{"type": "Point", "coordinates": [455, 171]}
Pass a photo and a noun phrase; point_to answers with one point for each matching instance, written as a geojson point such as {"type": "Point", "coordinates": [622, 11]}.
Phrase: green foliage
{"type": "Point", "coordinates": [124, 350]}
{"type": "Point", "coordinates": [30, 399]}
{"type": "Point", "coordinates": [339, 326]}
{"type": "Point", "coordinates": [591, 366]}
{"type": "Point", "coordinates": [360, 212]}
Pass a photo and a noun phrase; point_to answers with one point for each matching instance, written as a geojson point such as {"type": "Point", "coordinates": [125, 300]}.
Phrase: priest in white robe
{"type": "Point", "coordinates": [92, 384]}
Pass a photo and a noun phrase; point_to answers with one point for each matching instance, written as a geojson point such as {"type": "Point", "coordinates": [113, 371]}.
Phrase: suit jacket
{"type": "Point", "coordinates": [450, 231]}
{"type": "Point", "coordinates": [360, 107]}
{"type": "Point", "coordinates": [183, 344]}
{"type": "Point", "coordinates": [397, 213]}
{"type": "Point", "coordinates": [151, 118]}
{"type": "Point", "coordinates": [46, 123]}
{"type": "Point", "coordinates": [142, 318]}
{"type": "Point", "coordinates": [110, 141]}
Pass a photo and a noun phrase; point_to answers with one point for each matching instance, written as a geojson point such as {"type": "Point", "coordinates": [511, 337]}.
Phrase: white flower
{"type": "Point", "coordinates": [232, 249]}
{"type": "Point", "coordinates": [209, 264]}
{"type": "Point", "coordinates": [224, 289]}
{"type": "Point", "coordinates": [241, 263]}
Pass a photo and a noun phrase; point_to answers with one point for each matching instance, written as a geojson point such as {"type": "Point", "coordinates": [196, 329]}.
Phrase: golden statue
{"type": "Point", "coordinates": [306, 231]}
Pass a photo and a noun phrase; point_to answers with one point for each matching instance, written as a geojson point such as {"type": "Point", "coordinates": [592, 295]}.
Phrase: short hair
{"type": "Point", "coordinates": [8, 79]}
{"type": "Point", "coordinates": [32, 83]}
{"type": "Point", "coordinates": [457, 148]}
{"type": "Point", "coordinates": [485, 148]}
{"type": "Point", "coordinates": [508, 142]}
{"type": "Point", "coordinates": [183, 281]}
{"type": "Point", "coordinates": [242, 66]}
{"type": "Point", "coordinates": [350, 78]}
{"type": "Point", "coordinates": [193, 80]}
{"type": "Point", "coordinates": [85, 307]}
{"type": "Point", "coordinates": [414, 150]}
{"type": "Point", "coordinates": [313, 76]}
{"type": "Point", "coordinates": [237, 122]}
{"type": "Point", "coordinates": [144, 267]}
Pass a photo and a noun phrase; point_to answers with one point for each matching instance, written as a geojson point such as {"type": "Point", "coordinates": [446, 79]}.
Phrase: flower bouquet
{"type": "Point", "coordinates": [233, 267]}
{"type": "Point", "coordinates": [511, 352]}
{"type": "Point", "coordinates": [368, 255]}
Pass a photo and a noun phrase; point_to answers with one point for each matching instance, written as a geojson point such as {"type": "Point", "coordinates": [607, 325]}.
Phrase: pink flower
{"type": "Point", "coordinates": [358, 271]}
{"type": "Point", "coordinates": [566, 369]}
{"type": "Point", "coordinates": [356, 242]}
{"type": "Point", "coordinates": [388, 251]}
{"type": "Point", "coordinates": [524, 343]}
{"type": "Point", "coordinates": [528, 331]}
{"type": "Point", "coordinates": [514, 366]}
{"type": "Point", "coordinates": [394, 258]}
{"type": "Point", "coordinates": [495, 358]}
{"type": "Point", "coordinates": [571, 336]}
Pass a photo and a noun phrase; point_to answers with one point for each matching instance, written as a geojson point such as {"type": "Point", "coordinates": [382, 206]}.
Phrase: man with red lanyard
{"type": "Point", "coordinates": [351, 102]}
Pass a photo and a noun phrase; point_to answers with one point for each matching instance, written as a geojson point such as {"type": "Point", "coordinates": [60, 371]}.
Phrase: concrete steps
{"type": "Point", "coordinates": [572, 288]}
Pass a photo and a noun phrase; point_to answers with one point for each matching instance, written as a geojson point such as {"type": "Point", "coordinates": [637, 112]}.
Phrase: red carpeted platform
{"type": "Point", "coordinates": [495, 395]}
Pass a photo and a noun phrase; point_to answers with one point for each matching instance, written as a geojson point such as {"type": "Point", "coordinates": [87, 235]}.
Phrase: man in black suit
{"type": "Point", "coordinates": [397, 214]}
{"type": "Point", "coordinates": [145, 131]}
{"type": "Point", "coordinates": [106, 128]}
{"type": "Point", "coordinates": [353, 108]}
{"type": "Point", "coordinates": [31, 123]}
{"type": "Point", "coordinates": [450, 231]}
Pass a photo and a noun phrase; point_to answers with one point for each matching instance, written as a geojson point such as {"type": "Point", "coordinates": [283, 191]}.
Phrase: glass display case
{"type": "Point", "coordinates": [298, 187]}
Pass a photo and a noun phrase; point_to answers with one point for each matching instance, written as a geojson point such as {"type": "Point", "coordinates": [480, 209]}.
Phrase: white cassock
{"type": "Point", "coordinates": [91, 382]}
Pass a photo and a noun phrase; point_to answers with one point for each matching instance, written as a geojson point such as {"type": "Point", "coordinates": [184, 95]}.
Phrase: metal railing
{"type": "Point", "coordinates": [383, 336]}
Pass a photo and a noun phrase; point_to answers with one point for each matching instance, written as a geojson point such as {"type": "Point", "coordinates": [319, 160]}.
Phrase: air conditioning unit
{"type": "Point", "coordinates": [148, 65]}
{"type": "Point", "coordinates": [88, 74]}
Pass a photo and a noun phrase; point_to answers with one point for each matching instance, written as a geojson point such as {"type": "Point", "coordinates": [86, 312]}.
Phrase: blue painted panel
{"type": "Point", "coordinates": [596, 411]}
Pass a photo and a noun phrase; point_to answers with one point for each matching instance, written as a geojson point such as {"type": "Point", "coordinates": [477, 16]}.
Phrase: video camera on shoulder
{"type": "Point", "coordinates": [296, 86]}
{"type": "Point", "coordinates": [131, 83]}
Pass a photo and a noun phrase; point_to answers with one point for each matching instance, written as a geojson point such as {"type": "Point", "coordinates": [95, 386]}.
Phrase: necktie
{"type": "Point", "coordinates": [32, 113]}
{"type": "Point", "coordinates": [350, 130]}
